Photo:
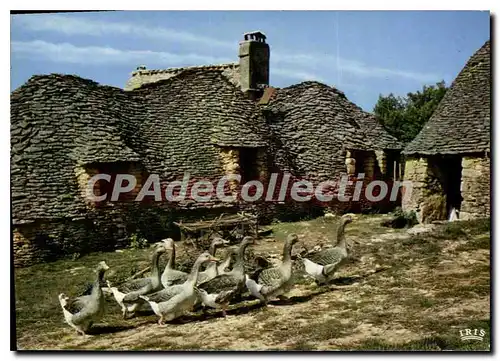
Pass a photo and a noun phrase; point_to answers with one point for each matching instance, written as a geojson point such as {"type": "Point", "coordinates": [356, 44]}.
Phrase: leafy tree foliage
{"type": "Point", "coordinates": [404, 117]}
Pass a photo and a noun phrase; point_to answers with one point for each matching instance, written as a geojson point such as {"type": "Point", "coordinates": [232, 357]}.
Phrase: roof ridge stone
{"type": "Point", "coordinates": [181, 69]}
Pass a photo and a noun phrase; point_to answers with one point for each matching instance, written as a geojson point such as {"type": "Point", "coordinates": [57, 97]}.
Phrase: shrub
{"type": "Point", "coordinates": [137, 242]}
{"type": "Point", "coordinates": [401, 219]}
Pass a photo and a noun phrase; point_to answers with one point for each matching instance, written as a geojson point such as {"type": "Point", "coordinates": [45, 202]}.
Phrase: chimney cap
{"type": "Point", "coordinates": [255, 36]}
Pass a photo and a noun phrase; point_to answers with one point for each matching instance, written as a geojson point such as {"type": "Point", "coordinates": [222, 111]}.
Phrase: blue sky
{"type": "Point", "coordinates": [363, 54]}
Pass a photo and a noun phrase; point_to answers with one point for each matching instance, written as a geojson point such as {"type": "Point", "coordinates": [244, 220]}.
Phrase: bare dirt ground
{"type": "Point", "coordinates": [397, 292]}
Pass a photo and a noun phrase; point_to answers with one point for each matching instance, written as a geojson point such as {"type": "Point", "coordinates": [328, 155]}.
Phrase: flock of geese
{"type": "Point", "coordinates": [172, 293]}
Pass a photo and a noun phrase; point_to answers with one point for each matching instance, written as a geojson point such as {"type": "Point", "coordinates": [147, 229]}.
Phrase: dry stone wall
{"type": "Point", "coordinates": [475, 187]}
{"type": "Point", "coordinates": [416, 173]}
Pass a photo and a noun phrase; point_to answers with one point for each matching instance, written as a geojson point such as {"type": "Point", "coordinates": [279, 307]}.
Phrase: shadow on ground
{"type": "Point", "coordinates": [107, 329]}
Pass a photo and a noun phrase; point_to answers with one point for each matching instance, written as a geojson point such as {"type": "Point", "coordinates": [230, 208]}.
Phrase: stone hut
{"type": "Point", "coordinates": [206, 121]}
{"type": "Point", "coordinates": [448, 162]}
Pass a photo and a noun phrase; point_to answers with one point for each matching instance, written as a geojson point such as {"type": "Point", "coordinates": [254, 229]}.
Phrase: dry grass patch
{"type": "Point", "coordinates": [427, 288]}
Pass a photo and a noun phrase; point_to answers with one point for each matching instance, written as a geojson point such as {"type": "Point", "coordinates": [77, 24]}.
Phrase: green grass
{"type": "Point", "coordinates": [301, 345]}
{"type": "Point", "coordinates": [420, 301]}
{"type": "Point", "coordinates": [422, 245]}
{"type": "Point", "coordinates": [311, 330]}
{"type": "Point", "coordinates": [463, 291]}
{"type": "Point", "coordinates": [37, 288]}
{"type": "Point", "coordinates": [39, 319]}
{"type": "Point", "coordinates": [434, 343]}
{"type": "Point", "coordinates": [463, 229]}
{"type": "Point", "coordinates": [363, 227]}
{"type": "Point", "coordinates": [446, 337]}
{"type": "Point", "coordinates": [159, 344]}
{"type": "Point", "coordinates": [479, 242]}
{"type": "Point", "coordinates": [282, 229]}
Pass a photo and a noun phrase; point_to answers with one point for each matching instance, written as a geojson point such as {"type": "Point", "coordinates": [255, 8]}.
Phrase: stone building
{"type": "Point", "coordinates": [448, 162]}
{"type": "Point", "coordinates": [206, 121]}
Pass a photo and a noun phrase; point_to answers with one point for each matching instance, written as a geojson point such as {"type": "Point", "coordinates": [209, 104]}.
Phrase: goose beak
{"type": "Point", "coordinates": [213, 259]}
{"type": "Point", "coordinates": [104, 266]}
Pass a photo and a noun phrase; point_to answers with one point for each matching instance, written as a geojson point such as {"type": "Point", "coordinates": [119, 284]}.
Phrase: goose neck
{"type": "Point", "coordinates": [341, 235]}
{"type": "Point", "coordinates": [171, 259]}
{"type": "Point", "coordinates": [193, 275]}
{"type": "Point", "coordinates": [155, 266]}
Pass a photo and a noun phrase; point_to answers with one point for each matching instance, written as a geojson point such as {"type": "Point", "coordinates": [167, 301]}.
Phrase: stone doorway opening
{"type": "Point", "coordinates": [248, 164]}
{"type": "Point", "coordinates": [448, 171]}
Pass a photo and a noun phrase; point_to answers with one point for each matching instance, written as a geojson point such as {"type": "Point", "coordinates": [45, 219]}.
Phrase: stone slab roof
{"type": "Point", "coordinates": [144, 76]}
{"type": "Point", "coordinates": [461, 122]}
{"type": "Point", "coordinates": [375, 131]}
{"type": "Point", "coordinates": [59, 122]}
{"type": "Point", "coordinates": [170, 126]}
{"type": "Point", "coordinates": [185, 116]}
{"type": "Point", "coordinates": [312, 124]}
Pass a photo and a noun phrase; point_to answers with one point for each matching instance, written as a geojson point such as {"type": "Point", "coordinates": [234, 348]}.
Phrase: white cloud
{"type": "Point", "coordinates": [95, 55]}
{"type": "Point", "coordinates": [295, 74]}
{"type": "Point", "coordinates": [354, 67]}
{"type": "Point", "coordinates": [358, 68]}
{"type": "Point", "coordinates": [76, 26]}
{"type": "Point", "coordinates": [304, 65]}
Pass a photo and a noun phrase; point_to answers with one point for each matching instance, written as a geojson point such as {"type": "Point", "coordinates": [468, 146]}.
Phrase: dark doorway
{"type": "Point", "coordinates": [448, 170]}
{"type": "Point", "coordinates": [393, 165]}
{"type": "Point", "coordinates": [248, 164]}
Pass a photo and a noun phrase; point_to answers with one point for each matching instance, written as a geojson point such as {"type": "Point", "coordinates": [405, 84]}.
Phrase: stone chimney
{"type": "Point", "coordinates": [254, 63]}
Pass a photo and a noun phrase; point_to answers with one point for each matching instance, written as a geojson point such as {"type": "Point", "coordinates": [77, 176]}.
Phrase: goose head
{"type": "Point", "coordinates": [168, 243]}
{"type": "Point", "coordinates": [160, 249]}
{"type": "Point", "coordinates": [248, 240]}
{"type": "Point", "coordinates": [348, 218]}
{"type": "Point", "coordinates": [292, 239]}
{"type": "Point", "coordinates": [217, 242]}
{"type": "Point", "coordinates": [102, 266]}
{"type": "Point", "coordinates": [206, 257]}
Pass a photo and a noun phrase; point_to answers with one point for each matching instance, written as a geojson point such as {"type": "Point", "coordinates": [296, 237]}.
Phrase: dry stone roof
{"type": "Point", "coordinates": [313, 124]}
{"type": "Point", "coordinates": [61, 121]}
{"type": "Point", "coordinates": [144, 76]}
{"type": "Point", "coordinates": [461, 122]}
{"type": "Point", "coordinates": [185, 116]}
{"type": "Point", "coordinates": [57, 122]}
{"type": "Point", "coordinates": [374, 130]}
{"type": "Point", "coordinates": [170, 126]}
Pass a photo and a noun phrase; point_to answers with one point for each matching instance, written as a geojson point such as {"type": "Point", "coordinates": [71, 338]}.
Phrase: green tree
{"type": "Point", "coordinates": [404, 117]}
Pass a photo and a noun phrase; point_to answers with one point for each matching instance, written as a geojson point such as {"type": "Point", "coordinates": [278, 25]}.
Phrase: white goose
{"type": "Point", "coordinates": [219, 291]}
{"type": "Point", "coordinates": [274, 281]}
{"type": "Point", "coordinates": [322, 265]}
{"type": "Point", "coordinates": [81, 312]}
{"type": "Point", "coordinates": [212, 270]}
{"type": "Point", "coordinates": [178, 299]}
{"type": "Point", "coordinates": [127, 294]}
{"type": "Point", "coordinates": [170, 275]}
{"type": "Point", "coordinates": [224, 265]}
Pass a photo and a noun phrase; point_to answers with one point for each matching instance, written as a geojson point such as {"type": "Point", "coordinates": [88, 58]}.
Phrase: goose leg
{"type": "Point", "coordinates": [224, 308]}
{"type": "Point", "coordinates": [161, 322]}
